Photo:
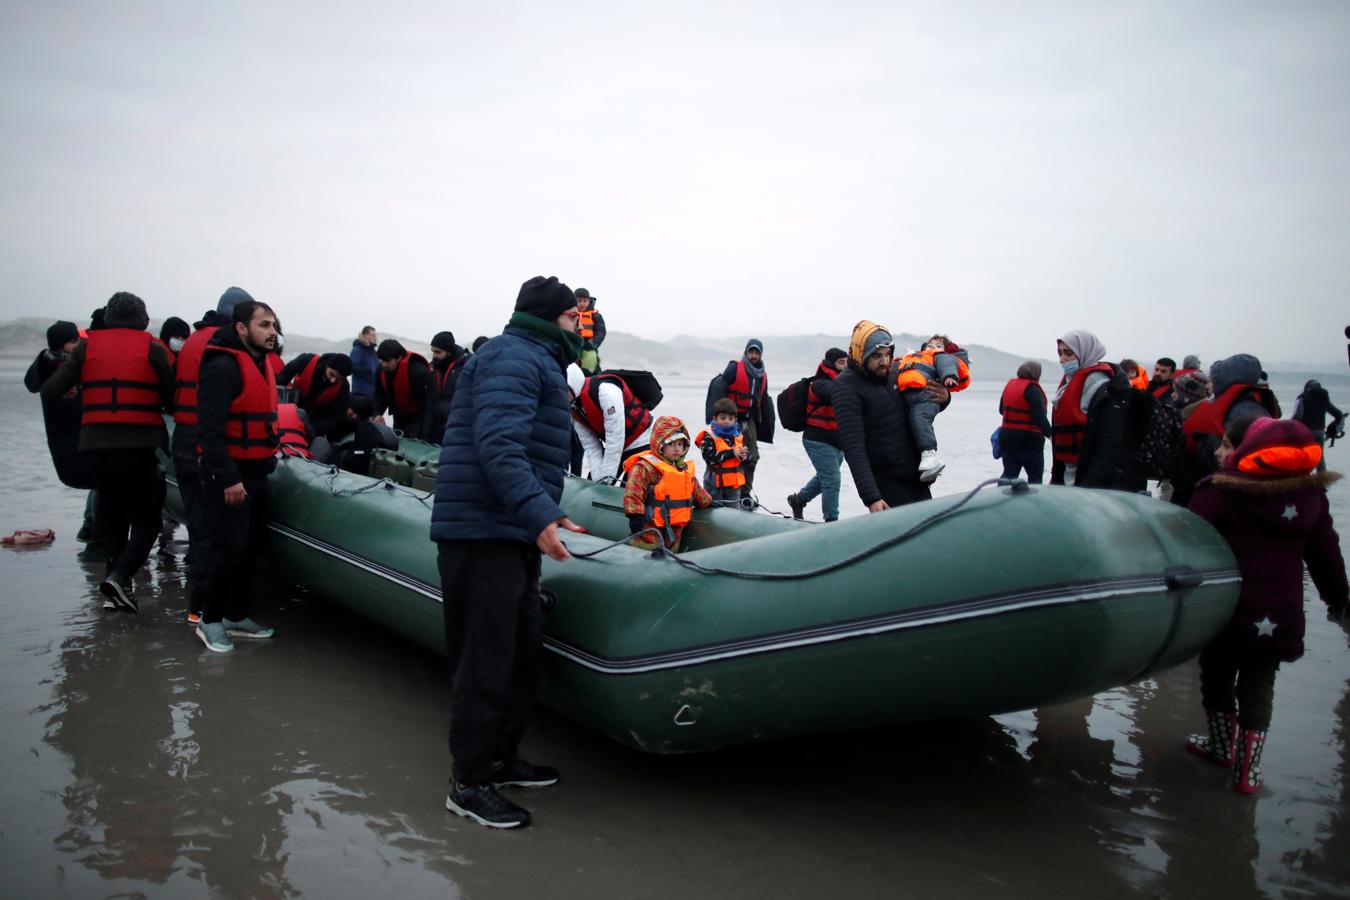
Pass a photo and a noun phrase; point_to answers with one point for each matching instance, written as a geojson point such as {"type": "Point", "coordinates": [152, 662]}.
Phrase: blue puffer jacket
{"type": "Point", "coordinates": [364, 366]}
{"type": "Point", "coordinates": [507, 443]}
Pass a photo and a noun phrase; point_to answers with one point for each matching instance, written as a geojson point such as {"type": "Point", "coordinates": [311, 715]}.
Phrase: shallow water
{"type": "Point", "coordinates": [135, 763]}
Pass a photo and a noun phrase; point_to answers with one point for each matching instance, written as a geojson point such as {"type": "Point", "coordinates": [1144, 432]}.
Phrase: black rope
{"type": "Point", "coordinates": [387, 484]}
{"type": "Point", "coordinates": [662, 553]}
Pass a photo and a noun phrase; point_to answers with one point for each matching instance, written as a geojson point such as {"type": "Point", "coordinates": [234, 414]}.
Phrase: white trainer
{"type": "Point", "coordinates": [930, 466]}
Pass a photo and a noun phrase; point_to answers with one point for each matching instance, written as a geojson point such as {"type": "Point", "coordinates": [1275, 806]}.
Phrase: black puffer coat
{"type": "Point", "coordinates": [874, 430]}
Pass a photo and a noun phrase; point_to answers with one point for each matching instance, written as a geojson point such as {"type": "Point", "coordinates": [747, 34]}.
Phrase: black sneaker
{"type": "Point", "coordinates": [117, 588]}
{"type": "Point", "coordinates": [87, 534]}
{"type": "Point", "coordinates": [484, 805]}
{"type": "Point", "coordinates": [519, 773]}
{"type": "Point", "coordinates": [798, 507]}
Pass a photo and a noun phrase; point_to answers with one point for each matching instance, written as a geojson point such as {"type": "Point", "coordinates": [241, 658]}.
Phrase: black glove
{"type": "Point", "coordinates": [636, 524]}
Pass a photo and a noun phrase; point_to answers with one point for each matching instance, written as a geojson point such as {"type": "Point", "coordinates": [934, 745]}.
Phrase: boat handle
{"type": "Point", "coordinates": [1182, 577]}
{"type": "Point", "coordinates": [685, 715]}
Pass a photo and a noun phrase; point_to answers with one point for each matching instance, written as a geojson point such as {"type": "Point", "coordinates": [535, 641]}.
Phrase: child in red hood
{"type": "Point", "coordinates": [1271, 506]}
{"type": "Point", "coordinates": [662, 490]}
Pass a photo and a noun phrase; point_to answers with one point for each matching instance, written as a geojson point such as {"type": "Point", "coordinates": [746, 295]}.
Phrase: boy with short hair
{"type": "Point", "coordinates": [723, 448]}
{"type": "Point", "coordinates": [939, 361]}
{"type": "Point", "coordinates": [662, 488]}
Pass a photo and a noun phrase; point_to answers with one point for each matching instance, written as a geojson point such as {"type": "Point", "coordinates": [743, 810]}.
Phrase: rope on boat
{"type": "Point", "coordinates": [662, 553]}
{"type": "Point", "coordinates": [384, 483]}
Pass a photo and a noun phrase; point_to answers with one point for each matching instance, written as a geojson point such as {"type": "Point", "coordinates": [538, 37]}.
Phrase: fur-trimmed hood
{"type": "Point", "coordinates": [1272, 487]}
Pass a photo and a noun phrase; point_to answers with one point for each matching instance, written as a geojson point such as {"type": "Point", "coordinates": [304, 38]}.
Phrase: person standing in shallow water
{"type": "Point", "coordinates": [821, 442]}
{"type": "Point", "coordinates": [503, 456]}
{"type": "Point", "coordinates": [1021, 436]}
{"type": "Point", "coordinates": [1271, 508]}
{"type": "Point", "coordinates": [747, 385]}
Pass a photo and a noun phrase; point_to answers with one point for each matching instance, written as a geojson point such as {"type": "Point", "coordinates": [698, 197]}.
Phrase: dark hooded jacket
{"type": "Point", "coordinates": [1313, 407]}
{"type": "Point", "coordinates": [1118, 417]}
{"type": "Point", "coordinates": [874, 430]}
{"type": "Point", "coordinates": [330, 421]}
{"type": "Point", "coordinates": [61, 419]}
{"type": "Point", "coordinates": [1274, 526]}
{"type": "Point", "coordinates": [365, 368]}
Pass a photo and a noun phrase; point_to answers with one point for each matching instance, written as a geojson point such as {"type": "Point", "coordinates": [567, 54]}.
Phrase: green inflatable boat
{"type": "Point", "coordinates": [765, 628]}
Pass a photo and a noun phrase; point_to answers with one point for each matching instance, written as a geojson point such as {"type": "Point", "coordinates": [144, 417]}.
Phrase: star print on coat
{"type": "Point", "coordinates": [1290, 512]}
{"type": "Point", "coordinates": [1265, 628]}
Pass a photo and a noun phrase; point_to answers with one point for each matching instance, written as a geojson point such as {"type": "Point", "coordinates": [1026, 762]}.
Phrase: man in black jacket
{"type": "Point", "coordinates": [447, 361]}
{"type": "Point", "coordinates": [61, 418]}
{"type": "Point", "coordinates": [237, 442]}
{"type": "Point", "coordinates": [874, 430]}
{"type": "Point", "coordinates": [322, 392]}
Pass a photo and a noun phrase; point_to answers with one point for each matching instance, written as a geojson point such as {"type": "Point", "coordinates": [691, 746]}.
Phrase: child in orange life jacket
{"type": "Point", "coordinates": [662, 488]}
{"type": "Point", "coordinates": [724, 451]}
{"type": "Point", "coordinates": [938, 362]}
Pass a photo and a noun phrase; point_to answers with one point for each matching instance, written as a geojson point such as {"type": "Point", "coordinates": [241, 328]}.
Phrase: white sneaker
{"type": "Point", "coordinates": [930, 466]}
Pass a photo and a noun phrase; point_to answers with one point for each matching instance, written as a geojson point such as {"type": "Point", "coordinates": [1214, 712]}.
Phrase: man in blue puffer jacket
{"type": "Point", "coordinates": [506, 446]}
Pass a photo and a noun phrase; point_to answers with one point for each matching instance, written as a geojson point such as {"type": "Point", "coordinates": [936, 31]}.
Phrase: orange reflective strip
{"type": "Point", "coordinates": [1281, 459]}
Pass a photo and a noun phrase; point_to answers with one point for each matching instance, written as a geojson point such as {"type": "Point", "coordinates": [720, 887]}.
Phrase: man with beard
{"type": "Point", "coordinates": [237, 442]}
{"type": "Point", "coordinates": [873, 420]}
{"type": "Point", "coordinates": [447, 360]}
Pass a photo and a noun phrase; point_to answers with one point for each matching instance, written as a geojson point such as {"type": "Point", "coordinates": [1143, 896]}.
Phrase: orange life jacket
{"type": "Point", "coordinates": [740, 390]}
{"type": "Point", "coordinates": [251, 425]}
{"type": "Point", "coordinates": [397, 388]}
{"type": "Point", "coordinates": [1069, 421]}
{"type": "Point", "coordinates": [1014, 407]}
{"type": "Point", "coordinates": [820, 414]}
{"type": "Point", "coordinates": [291, 431]}
{"type": "Point", "coordinates": [587, 324]}
{"type": "Point", "coordinates": [326, 398]}
{"type": "Point", "coordinates": [186, 370]}
{"type": "Point", "coordinates": [670, 501]}
{"type": "Point", "coordinates": [636, 417]}
{"type": "Point", "coordinates": [919, 368]}
{"type": "Point", "coordinates": [1208, 418]}
{"type": "Point", "coordinates": [726, 474]}
{"type": "Point", "coordinates": [1140, 381]}
{"type": "Point", "coordinates": [118, 384]}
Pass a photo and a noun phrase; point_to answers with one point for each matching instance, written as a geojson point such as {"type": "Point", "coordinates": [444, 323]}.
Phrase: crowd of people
{"type": "Point", "coordinates": [515, 413]}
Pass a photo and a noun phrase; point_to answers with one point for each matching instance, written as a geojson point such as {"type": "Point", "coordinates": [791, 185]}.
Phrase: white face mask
{"type": "Point", "coordinates": [176, 344]}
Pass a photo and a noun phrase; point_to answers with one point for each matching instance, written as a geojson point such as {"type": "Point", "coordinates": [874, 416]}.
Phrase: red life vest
{"type": "Point", "coordinates": [397, 387]}
{"type": "Point", "coordinates": [1069, 420]}
{"type": "Point", "coordinates": [1208, 418]}
{"type": "Point", "coordinates": [291, 431]}
{"type": "Point", "coordinates": [305, 380]}
{"type": "Point", "coordinates": [739, 390]}
{"type": "Point", "coordinates": [275, 363]}
{"type": "Point", "coordinates": [636, 417]}
{"type": "Point", "coordinates": [819, 414]}
{"type": "Point", "coordinates": [726, 474]}
{"type": "Point", "coordinates": [443, 377]}
{"type": "Point", "coordinates": [118, 384]}
{"type": "Point", "coordinates": [1163, 389]}
{"type": "Point", "coordinates": [251, 425]}
{"type": "Point", "coordinates": [587, 323]}
{"type": "Point", "coordinates": [1013, 404]}
{"type": "Point", "coordinates": [186, 369]}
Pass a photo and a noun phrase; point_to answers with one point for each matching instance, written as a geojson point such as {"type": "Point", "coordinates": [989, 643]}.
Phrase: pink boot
{"type": "Point", "coordinates": [1247, 776]}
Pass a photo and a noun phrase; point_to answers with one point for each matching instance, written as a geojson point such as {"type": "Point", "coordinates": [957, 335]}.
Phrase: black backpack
{"type": "Point", "coordinates": [644, 385]}
{"type": "Point", "coordinates": [1159, 446]}
{"type": "Point", "coordinates": [792, 405]}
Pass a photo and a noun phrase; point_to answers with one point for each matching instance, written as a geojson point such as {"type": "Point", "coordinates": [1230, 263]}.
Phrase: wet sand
{"type": "Point", "coordinates": [135, 763]}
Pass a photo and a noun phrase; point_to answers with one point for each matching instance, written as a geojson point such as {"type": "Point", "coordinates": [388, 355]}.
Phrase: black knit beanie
{"type": "Point", "coordinates": [125, 310]}
{"type": "Point", "coordinates": [60, 334]}
{"type": "Point", "coordinates": [833, 355]}
{"type": "Point", "coordinates": [389, 349]}
{"type": "Point", "coordinates": [444, 340]}
{"type": "Point", "coordinates": [174, 327]}
{"type": "Point", "coordinates": [338, 362]}
{"type": "Point", "coordinates": [546, 298]}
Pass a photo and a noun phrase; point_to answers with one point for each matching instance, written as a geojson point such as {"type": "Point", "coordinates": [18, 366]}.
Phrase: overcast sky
{"type": "Point", "coordinates": [1173, 176]}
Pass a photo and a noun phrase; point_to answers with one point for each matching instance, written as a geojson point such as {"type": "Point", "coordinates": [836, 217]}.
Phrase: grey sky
{"type": "Point", "coordinates": [1172, 176]}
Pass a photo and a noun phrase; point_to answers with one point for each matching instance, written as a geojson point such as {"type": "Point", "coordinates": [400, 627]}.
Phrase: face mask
{"type": "Point", "coordinates": [1070, 366]}
{"type": "Point", "coordinates": [176, 344]}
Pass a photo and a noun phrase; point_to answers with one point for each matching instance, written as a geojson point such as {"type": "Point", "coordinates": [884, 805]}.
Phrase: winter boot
{"type": "Point", "coordinates": [1247, 774]}
{"type": "Point", "coordinates": [1217, 746]}
{"type": "Point", "coordinates": [797, 504]}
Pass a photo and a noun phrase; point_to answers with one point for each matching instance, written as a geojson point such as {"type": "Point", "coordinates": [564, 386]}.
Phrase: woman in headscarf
{"type": "Point", "coordinates": [1080, 356]}
{"type": "Point", "coordinates": [1021, 437]}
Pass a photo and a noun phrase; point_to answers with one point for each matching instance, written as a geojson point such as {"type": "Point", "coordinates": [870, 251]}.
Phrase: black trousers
{"type": "Point", "coordinates": [130, 487]}
{"type": "Point", "coordinates": [1247, 688]}
{"type": "Point", "coordinates": [198, 517]}
{"type": "Point", "coordinates": [494, 639]}
{"type": "Point", "coordinates": [237, 534]}
{"type": "Point", "coordinates": [899, 491]}
{"type": "Point", "coordinates": [1022, 450]}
